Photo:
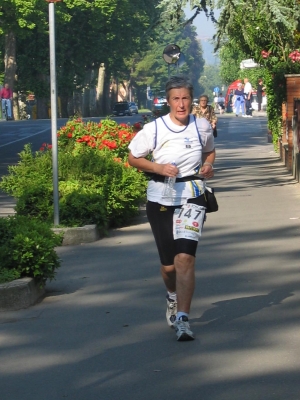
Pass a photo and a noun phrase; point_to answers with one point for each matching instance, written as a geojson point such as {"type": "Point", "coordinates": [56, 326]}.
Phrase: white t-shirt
{"type": "Point", "coordinates": [182, 145]}
{"type": "Point", "coordinates": [247, 88]}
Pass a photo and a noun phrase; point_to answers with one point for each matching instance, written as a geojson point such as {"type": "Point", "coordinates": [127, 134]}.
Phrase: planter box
{"type": "Point", "coordinates": [20, 293]}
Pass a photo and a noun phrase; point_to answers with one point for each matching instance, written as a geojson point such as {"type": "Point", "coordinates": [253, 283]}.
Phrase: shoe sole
{"type": "Point", "coordinates": [185, 337]}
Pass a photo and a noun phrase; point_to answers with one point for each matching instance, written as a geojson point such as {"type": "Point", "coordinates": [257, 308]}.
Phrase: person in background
{"type": "Point", "coordinates": [216, 101]}
{"type": "Point", "coordinates": [260, 89]}
{"type": "Point", "coordinates": [248, 97]}
{"type": "Point", "coordinates": [6, 96]}
{"type": "Point", "coordinates": [221, 103]}
{"type": "Point", "coordinates": [239, 100]}
{"type": "Point", "coordinates": [203, 110]}
{"type": "Point", "coordinates": [182, 146]}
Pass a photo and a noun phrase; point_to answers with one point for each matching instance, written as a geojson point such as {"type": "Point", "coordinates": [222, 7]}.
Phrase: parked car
{"type": "Point", "coordinates": [133, 108]}
{"type": "Point", "coordinates": [121, 108]}
{"type": "Point", "coordinates": [160, 106]}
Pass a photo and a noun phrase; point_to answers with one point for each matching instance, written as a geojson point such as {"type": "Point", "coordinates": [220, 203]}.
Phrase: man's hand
{"type": "Point", "coordinates": [167, 170]}
{"type": "Point", "coordinates": [207, 171]}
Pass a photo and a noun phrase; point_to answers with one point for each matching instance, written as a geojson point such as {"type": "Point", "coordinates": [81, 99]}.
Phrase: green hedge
{"type": "Point", "coordinates": [27, 249]}
{"type": "Point", "coordinates": [96, 183]}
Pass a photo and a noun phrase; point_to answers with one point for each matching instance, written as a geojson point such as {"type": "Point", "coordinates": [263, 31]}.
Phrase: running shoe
{"type": "Point", "coordinates": [171, 311]}
{"type": "Point", "coordinates": [182, 329]}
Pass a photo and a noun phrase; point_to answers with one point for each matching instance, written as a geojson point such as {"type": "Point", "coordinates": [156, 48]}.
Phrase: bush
{"type": "Point", "coordinates": [96, 183]}
{"type": "Point", "coordinates": [8, 275]}
{"type": "Point", "coordinates": [27, 249]}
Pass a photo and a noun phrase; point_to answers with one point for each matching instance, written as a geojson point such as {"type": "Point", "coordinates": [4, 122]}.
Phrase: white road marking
{"type": "Point", "coordinates": [26, 137]}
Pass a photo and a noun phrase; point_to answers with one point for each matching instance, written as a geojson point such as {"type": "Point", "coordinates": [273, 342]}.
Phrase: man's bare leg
{"type": "Point", "coordinates": [185, 285]}
{"type": "Point", "coordinates": [169, 276]}
{"type": "Point", "coordinates": [168, 273]}
{"type": "Point", "coordinates": [185, 281]}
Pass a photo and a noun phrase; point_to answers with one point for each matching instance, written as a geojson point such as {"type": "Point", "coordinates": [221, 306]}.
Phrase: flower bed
{"type": "Point", "coordinates": [96, 183]}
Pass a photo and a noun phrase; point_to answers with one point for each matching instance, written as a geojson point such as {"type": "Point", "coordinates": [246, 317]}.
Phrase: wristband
{"type": "Point", "coordinates": [208, 163]}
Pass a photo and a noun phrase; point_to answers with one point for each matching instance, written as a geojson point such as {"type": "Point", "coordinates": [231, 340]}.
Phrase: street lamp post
{"type": "Point", "coordinates": [53, 108]}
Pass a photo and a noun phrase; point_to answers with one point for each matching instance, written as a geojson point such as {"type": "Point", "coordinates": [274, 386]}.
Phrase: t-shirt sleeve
{"type": "Point", "coordinates": [144, 141]}
{"type": "Point", "coordinates": [206, 134]}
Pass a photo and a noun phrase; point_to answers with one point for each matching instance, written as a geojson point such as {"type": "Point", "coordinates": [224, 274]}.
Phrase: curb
{"type": "Point", "coordinates": [24, 292]}
{"type": "Point", "coordinates": [75, 236]}
{"type": "Point", "coordinates": [20, 293]}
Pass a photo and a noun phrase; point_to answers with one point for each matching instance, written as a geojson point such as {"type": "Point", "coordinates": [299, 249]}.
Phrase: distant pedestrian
{"type": "Point", "coordinates": [248, 97]}
{"type": "Point", "coordinates": [216, 101]}
{"type": "Point", "coordinates": [239, 100]}
{"type": "Point", "coordinates": [6, 96]}
{"type": "Point", "coordinates": [259, 92]}
{"type": "Point", "coordinates": [221, 103]}
{"type": "Point", "coordinates": [204, 110]}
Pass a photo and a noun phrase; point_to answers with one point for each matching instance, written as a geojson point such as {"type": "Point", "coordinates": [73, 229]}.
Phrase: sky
{"type": "Point", "coordinates": [205, 31]}
{"type": "Point", "coordinates": [205, 27]}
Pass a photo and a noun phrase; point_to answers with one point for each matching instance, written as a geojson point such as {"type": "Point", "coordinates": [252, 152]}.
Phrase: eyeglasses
{"type": "Point", "coordinates": [203, 100]}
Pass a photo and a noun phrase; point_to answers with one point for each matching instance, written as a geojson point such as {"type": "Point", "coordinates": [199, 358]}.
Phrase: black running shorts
{"type": "Point", "coordinates": [161, 221]}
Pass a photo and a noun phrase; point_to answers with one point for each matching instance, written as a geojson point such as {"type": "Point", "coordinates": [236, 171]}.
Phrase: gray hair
{"type": "Point", "coordinates": [203, 96]}
{"type": "Point", "coordinates": [178, 82]}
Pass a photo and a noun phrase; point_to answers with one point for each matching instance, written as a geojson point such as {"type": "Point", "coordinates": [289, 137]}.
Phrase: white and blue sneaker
{"type": "Point", "coordinates": [182, 329]}
{"type": "Point", "coordinates": [171, 311]}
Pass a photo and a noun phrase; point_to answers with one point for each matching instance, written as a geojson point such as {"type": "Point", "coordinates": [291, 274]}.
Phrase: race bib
{"type": "Point", "coordinates": [188, 222]}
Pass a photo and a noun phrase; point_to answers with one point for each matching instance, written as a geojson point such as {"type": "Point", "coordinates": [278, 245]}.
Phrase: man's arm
{"type": "Point", "coordinates": [250, 91]}
{"type": "Point", "coordinates": [143, 164]}
{"type": "Point", "coordinates": [207, 169]}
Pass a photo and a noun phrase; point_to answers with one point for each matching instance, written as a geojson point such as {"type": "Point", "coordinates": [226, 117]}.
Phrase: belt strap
{"type": "Point", "coordinates": [161, 178]}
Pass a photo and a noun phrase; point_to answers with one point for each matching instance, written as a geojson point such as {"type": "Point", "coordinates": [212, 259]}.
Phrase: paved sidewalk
{"type": "Point", "coordinates": [101, 334]}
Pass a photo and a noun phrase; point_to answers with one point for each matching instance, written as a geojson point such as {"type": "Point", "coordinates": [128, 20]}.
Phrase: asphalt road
{"type": "Point", "coordinates": [15, 134]}
{"type": "Point", "coordinates": [101, 334]}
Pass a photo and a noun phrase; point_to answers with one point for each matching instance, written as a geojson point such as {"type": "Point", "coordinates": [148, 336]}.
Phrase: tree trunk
{"type": "Point", "coordinates": [114, 91]}
{"type": "Point", "coordinates": [10, 66]}
{"type": "Point", "coordinates": [64, 100]}
{"type": "Point", "coordinates": [42, 108]}
{"type": "Point", "coordinates": [100, 90]}
{"type": "Point", "coordinates": [93, 94]}
{"type": "Point", "coordinates": [77, 104]}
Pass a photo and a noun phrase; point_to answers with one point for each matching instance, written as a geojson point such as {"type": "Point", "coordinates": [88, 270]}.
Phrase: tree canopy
{"type": "Point", "coordinates": [126, 36]}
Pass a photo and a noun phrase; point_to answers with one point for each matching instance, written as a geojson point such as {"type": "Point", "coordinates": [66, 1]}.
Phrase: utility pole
{"type": "Point", "coordinates": [53, 90]}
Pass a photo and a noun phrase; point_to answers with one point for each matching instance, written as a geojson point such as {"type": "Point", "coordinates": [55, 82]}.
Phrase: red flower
{"type": "Point", "coordinates": [49, 146]}
{"type": "Point", "coordinates": [110, 144]}
{"type": "Point", "coordinates": [86, 138]}
{"type": "Point", "coordinates": [295, 56]}
{"type": "Point", "coordinates": [42, 148]}
{"type": "Point", "coordinates": [137, 125]}
{"type": "Point", "coordinates": [123, 134]}
{"type": "Point", "coordinates": [70, 135]}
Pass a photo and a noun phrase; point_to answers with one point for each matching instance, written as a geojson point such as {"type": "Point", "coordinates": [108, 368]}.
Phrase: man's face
{"type": "Point", "coordinates": [6, 86]}
{"type": "Point", "coordinates": [180, 102]}
{"type": "Point", "coordinates": [203, 101]}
